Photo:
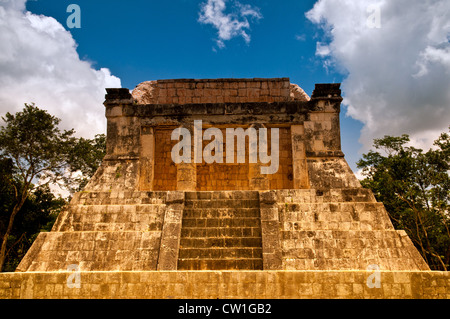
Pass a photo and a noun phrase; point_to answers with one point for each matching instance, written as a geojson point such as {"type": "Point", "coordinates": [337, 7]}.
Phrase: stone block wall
{"type": "Point", "coordinates": [329, 173]}
{"type": "Point", "coordinates": [115, 176]}
{"type": "Point", "coordinates": [110, 251]}
{"type": "Point", "coordinates": [310, 227]}
{"type": "Point", "coordinates": [291, 229]}
{"type": "Point", "coordinates": [139, 136]}
{"type": "Point", "coordinates": [192, 91]}
{"type": "Point", "coordinates": [283, 178]}
{"type": "Point", "coordinates": [102, 230]}
{"type": "Point", "coordinates": [165, 170]}
{"type": "Point", "coordinates": [227, 285]}
{"type": "Point", "coordinates": [221, 176]}
{"type": "Point", "coordinates": [336, 230]}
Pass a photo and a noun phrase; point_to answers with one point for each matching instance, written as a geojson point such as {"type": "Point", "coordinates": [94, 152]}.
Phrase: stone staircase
{"type": "Point", "coordinates": [102, 230]}
{"type": "Point", "coordinates": [341, 229]}
{"type": "Point", "coordinates": [221, 231]}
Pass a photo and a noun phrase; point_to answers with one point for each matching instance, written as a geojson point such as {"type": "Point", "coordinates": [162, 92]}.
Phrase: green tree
{"type": "Point", "coordinates": [36, 150]}
{"type": "Point", "coordinates": [85, 157]}
{"type": "Point", "coordinates": [37, 214]}
{"type": "Point", "coordinates": [414, 187]}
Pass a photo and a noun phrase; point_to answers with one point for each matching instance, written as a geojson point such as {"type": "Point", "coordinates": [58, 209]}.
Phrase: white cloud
{"type": "Point", "coordinates": [229, 25]}
{"type": "Point", "coordinates": [397, 75]}
{"type": "Point", "coordinates": [300, 37]}
{"type": "Point", "coordinates": [322, 50]}
{"type": "Point", "coordinates": [359, 174]}
{"type": "Point", "coordinates": [39, 63]}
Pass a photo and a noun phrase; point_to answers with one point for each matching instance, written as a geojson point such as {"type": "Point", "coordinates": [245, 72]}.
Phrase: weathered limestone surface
{"type": "Point", "coordinates": [170, 241]}
{"type": "Point", "coordinates": [280, 229]}
{"type": "Point", "coordinates": [221, 230]}
{"type": "Point", "coordinates": [227, 284]}
{"type": "Point", "coordinates": [307, 231]}
{"type": "Point", "coordinates": [297, 93]}
{"type": "Point", "coordinates": [102, 231]}
{"type": "Point", "coordinates": [139, 136]}
{"type": "Point", "coordinates": [187, 91]}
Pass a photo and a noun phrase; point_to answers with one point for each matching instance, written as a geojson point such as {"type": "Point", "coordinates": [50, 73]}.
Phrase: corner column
{"type": "Point", "coordinates": [147, 158]}
{"type": "Point", "coordinates": [187, 172]}
{"type": "Point", "coordinates": [171, 232]}
{"type": "Point", "coordinates": [270, 231]}
{"type": "Point", "coordinates": [257, 181]}
{"type": "Point", "coordinates": [299, 163]}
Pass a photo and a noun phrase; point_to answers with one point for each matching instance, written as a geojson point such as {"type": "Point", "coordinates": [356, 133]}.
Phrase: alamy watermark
{"type": "Point", "coordinates": [374, 19]}
{"type": "Point", "coordinates": [74, 19]}
{"type": "Point", "coordinates": [74, 280]}
{"type": "Point", "coordinates": [374, 280]}
{"type": "Point", "coordinates": [214, 151]}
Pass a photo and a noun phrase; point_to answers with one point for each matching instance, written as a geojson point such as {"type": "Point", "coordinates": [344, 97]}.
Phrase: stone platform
{"type": "Point", "coordinates": [227, 284]}
{"type": "Point", "coordinates": [339, 229]}
{"type": "Point", "coordinates": [147, 226]}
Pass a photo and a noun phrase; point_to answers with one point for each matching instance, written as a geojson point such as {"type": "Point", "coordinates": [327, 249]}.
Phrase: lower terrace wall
{"type": "Point", "coordinates": [227, 284]}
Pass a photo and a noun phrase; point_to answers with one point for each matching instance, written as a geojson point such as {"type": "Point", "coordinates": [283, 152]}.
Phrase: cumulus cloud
{"type": "Point", "coordinates": [39, 63]}
{"type": "Point", "coordinates": [228, 25]}
{"type": "Point", "coordinates": [396, 59]}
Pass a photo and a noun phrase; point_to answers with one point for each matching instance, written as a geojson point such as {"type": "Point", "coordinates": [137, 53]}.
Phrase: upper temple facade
{"type": "Point", "coordinates": [140, 125]}
{"type": "Point", "coordinates": [158, 202]}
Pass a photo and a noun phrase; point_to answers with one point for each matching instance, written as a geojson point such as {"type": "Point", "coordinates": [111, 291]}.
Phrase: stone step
{"type": "Point", "coordinates": [111, 218]}
{"type": "Point", "coordinates": [334, 216]}
{"type": "Point", "coordinates": [221, 222]}
{"type": "Point", "coordinates": [237, 195]}
{"type": "Point", "coordinates": [345, 250]}
{"type": "Point", "coordinates": [126, 251]}
{"type": "Point", "coordinates": [298, 195]}
{"type": "Point", "coordinates": [206, 242]}
{"type": "Point", "coordinates": [220, 212]}
{"type": "Point", "coordinates": [221, 232]}
{"type": "Point", "coordinates": [343, 244]}
{"type": "Point", "coordinates": [348, 264]}
{"type": "Point", "coordinates": [222, 203]}
{"type": "Point", "coordinates": [220, 253]}
{"type": "Point", "coordinates": [221, 264]}
{"type": "Point", "coordinates": [343, 235]}
{"type": "Point", "coordinates": [124, 208]}
{"type": "Point", "coordinates": [334, 207]}
{"type": "Point", "coordinates": [324, 196]}
{"type": "Point", "coordinates": [101, 226]}
{"type": "Point", "coordinates": [119, 198]}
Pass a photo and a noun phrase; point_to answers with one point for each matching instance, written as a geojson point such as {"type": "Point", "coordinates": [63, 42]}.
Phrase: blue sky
{"type": "Point", "coordinates": [142, 40]}
{"type": "Point", "coordinates": [128, 42]}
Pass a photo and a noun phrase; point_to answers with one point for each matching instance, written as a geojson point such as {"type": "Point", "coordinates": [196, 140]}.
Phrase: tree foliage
{"type": "Point", "coordinates": [35, 153]}
{"type": "Point", "coordinates": [37, 214]}
{"type": "Point", "coordinates": [85, 157]}
{"type": "Point", "coordinates": [414, 187]}
{"type": "Point", "coordinates": [37, 150]}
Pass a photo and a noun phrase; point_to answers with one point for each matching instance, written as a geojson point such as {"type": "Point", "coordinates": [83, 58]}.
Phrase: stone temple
{"type": "Point", "coordinates": [148, 227]}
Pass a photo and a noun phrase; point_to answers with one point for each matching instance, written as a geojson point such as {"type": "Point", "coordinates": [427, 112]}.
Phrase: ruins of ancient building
{"type": "Point", "coordinates": [142, 214]}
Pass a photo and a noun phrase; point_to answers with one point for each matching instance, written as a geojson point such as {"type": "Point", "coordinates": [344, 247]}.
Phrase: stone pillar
{"type": "Point", "coordinates": [187, 172]}
{"type": "Point", "coordinates": [270, 231]}
{"type": "Point", "coordinates": [122, 138]}
{"type": "Point", "coordinates": [299, 163]}
{"type": "Point", "coordinates": [257, 181]}
{"type": "Point", "coordinates": [147, 158]}
{"type": "Point", "coordinates": [171, 232]}
{"type": "Point", "coordinates": [186, 177]}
